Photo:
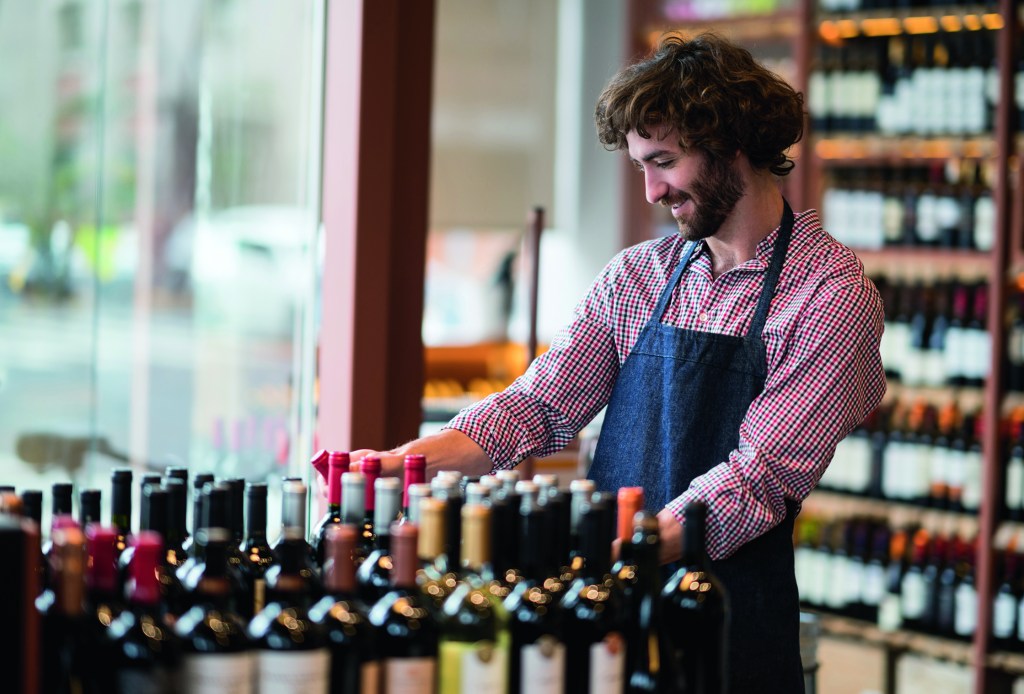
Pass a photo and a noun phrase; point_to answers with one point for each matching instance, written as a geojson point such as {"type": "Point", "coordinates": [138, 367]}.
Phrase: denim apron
{"type": "Point", "coordinates": [674, 414]}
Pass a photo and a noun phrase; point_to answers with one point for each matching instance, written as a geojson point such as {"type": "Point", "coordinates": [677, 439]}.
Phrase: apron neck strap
{"type": "Point", "coordinates": [770, 280]}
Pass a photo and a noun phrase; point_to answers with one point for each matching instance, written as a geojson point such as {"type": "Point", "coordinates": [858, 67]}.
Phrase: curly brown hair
{"type": "Point", "coordinates": [713, 93]}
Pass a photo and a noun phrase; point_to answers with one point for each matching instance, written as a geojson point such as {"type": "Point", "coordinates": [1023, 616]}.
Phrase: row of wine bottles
{"type": "Point", "coordinates": [936, 333]}
{"type": "Point", "coordinates": [918, 578]}
{"type": "Point", "coordinates": [457, 585]}
{"type": "Point", "coordinates": [940, 84]}
{"type": "Point", "coordinates": [902, 578]}
{"type": "Point", "coordinates": [861, 5]}
{"type": "Point", "coordinates": [946, 205]}
{"type": "Point", "coordinates": [914, 453]}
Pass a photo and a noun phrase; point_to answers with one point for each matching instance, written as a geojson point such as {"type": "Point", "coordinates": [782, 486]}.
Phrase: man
{"type": "Point", "coordinates": [732, 357]}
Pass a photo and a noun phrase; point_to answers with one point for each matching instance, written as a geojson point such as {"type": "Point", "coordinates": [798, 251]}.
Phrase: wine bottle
{"type": "Point", "coordinates": [191, 573]}
{"type": "Point", "coordinates": [415, 467]}
{"type": "Point", "coordinates": [1014, 493]}
{"type": "Point", "coordinates": [337, 463]}
{"type": "Point", "coordinates": [215, 641]}
{"type": "Point", "coordinates": [407, 631]}
{"type": "Point", "coordinates": [146, 518]}
{"type": "Point", "coordinates": [353, 511]}
{"type": "Point", "coordinates": [103, 597]}
{"type": "Point", "coordinates": [350, 636]}
{"type": "Point", "coordinates": [508, 479]}
{"type": "Point", "coordinates": [198, 484]}
{"type": "Point", "coordinates": [966, 599]}
{"type": "Point", "coordinates": [374, 574]}
{"type": "Point", "coordinates": [292, 652]}
{"type": "Point", "coordinates": [121, 506]}
{"type": "Point", "coordinates": [451, 494]}
{"type": "Point", "coordinates": [595, 650]}
{"type": "Point", "coordinates": [1004, 605]}
{"type": "Point", "coordinates": [646, 651]}
{"type": "Point", "coordinates": [890, 609]}
{"type": "Point", "coordinates": [695, 610]}
{"type": "Point", "coordinates": [505, 544]}
{"type": "Point", "coordinates": [931, 577]}
{"type": "Point", "coordinates": [949, 582]}
{"type": "Point", "coordinates": [436, 577]}
{"type": "Point", "coordinates": [873, 587]}
{"type": "Point", "coordinates": [236, 509]}
{"type": "Point", "coordinates": [157, 520]}
{"type": "Point", "coordinates": [556, 507]}
{"type": "Point", "coordinates": [22, 576]}
{"type": "Point", "coordinates": [293, 518]}
{"type": "Point", "coordinates": [912, 589]}
{"type": "Point", "coordinates": [473, 646]}
{"type": "Point", "coordinates": [177, 509]}
{"type": "Point", "coordinates": [581, 491]}
{"type": "Point", "coordinates": [60, 506]}
{"type": "Point", "coordinates": [371, 471]}
{"type": "Point", "coordinates": [64, 625]}
{"type": "Point", "coordinates": [258, 555]}
{"type": "Point", "coordinates": [630, 503]}
{"type": "Point", "coordinates": [147, 654]}
{"type": "Point", "coordinates": [32, 506]}
{"type": "Point", "coordinates": [536, 651]}
{"type": "Point", "coordinates": [414, 494]}
{"type": "Point", "coordinates": [89, 507]}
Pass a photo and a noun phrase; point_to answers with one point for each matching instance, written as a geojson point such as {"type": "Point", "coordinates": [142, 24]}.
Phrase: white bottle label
{"type": "Point", "coordinates": [874, 585]}
{"type": "Point", "coordinates": [835, 596]}
{"type": "Point", "coordinates": [543, 666]}
{"type": "Point", "coordinates": [1003, 614]}
{"type": "Point", "coordinates": [972, 480]}
{"type": "Point", "coordinates": [608, 665]}
{"type": "Point", "coordinates": [409, 675]}
{"type": "Point", "coordinates": [913, 595]}
{"type": "Point", "coordinates": [480, 666]}
{"type": "Point", "coordinates": [889, 616]}
{"type": "Point", "coordinates": [1015, 484]}
{"type": "Point", "coordinates": [966, 617]}
{"type": "Point", "coordinates": [216, 673]}
{"type": "Point", "coordinates": [296, 672]}
{"type": "Point", "coordinates": [853, 581]}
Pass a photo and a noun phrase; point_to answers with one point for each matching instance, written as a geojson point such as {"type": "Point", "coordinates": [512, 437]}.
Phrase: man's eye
{"type": "Point", "coordinates": [664, 164]}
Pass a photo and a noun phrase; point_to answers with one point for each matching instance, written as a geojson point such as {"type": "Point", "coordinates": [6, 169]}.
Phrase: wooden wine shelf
{"type": "Point", "coordinates": [871, 149]}
{"type": "Point", "coordinates": [926, 263]}
{"type": "Point", "coordinates": [827, 503]}
{"type": "Point", "coordinates": [1006, 661]}
{"type": "Point", "coordinates": [932, 646]}
{"type": "Point", "coordinates": [773, 26]}
{"type": "Point", "coordinates": [892, 22]}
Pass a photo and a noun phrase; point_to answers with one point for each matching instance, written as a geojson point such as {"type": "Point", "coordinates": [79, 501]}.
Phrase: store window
{"type": "Point", "coordinates": [158, 238]}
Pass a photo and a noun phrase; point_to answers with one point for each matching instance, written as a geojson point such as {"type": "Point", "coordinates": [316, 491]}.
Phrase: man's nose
{"type": "Point", "coordinates": [655, 187]}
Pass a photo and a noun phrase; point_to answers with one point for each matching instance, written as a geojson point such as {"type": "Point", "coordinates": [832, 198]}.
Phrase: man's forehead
{"type": "Point", "coordinates": [662, 139]}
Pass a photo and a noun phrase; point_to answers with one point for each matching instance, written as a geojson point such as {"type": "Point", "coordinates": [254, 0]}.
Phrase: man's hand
{"type": "Point", "coordinates": [446, 450]}
{"type": "Point", "coordinates": [670, 531]}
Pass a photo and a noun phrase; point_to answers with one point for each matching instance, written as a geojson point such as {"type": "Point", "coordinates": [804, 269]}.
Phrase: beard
{"type": "Point", "coordinates": [716, 190]}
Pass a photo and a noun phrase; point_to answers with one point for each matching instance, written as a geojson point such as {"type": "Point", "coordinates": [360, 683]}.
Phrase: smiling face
{"type": "Point", "coordinates": [700, 190]}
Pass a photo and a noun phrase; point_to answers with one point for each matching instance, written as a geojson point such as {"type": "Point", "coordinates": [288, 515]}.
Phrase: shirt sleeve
{"type": "Point", "coordinates": [561, 391]}
{"type": "Point", "coordinates": [828, 378]}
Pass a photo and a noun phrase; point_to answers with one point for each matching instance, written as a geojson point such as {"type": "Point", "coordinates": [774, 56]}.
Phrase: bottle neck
{"type": "Point", "coordinates": [256, 521]}
{"type": "Point", "coordinates": [121, 506]}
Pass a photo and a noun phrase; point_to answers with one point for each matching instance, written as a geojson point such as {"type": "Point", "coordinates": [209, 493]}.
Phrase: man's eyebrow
{"type": "Point", "coordinates": [650, 156]}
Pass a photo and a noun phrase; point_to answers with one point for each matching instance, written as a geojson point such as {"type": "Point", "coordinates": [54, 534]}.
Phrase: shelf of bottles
{"type": "Point", "coordinates": [464, 584]}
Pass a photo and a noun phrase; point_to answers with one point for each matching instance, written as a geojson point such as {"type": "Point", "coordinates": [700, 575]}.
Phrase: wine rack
{"type": "Point", "coordinates": [821, 39]}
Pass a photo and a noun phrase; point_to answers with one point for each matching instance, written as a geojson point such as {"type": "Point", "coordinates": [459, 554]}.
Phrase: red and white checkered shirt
{"type": "Point", "coordinates": [824, 370]}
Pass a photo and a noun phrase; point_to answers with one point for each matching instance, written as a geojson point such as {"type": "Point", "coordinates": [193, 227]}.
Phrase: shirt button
{"type": "Point", "coordinates": [703, 317]}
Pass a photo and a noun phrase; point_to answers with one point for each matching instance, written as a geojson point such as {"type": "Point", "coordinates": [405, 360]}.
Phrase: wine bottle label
{"type": "Point", "coordinates": [952, 353]}
{"type": "Point", "coordinates": [890, 618]}
{"type": "Point", "coordinates": [151, 681]}
{"type": "Point", "coordinates": [542, 667]}
{"type": "Point", "coordinates": [1004, 614]}
{"type": "Point", "coordinates": [966, 610]}
{"type": "Point", "coordinates": [216, 673]}
{"type": "Point", "coordinates": [1015, 484]}
{"type": "Point", "coordinates": [803, 562]}
{"type": "Point", "coordinates": [874, 585]}
{"type": "Point", "coordinates": [971, 499]}
{"type": "Point", "coordinates": [298, 672]}
{"type": "Point", "coordinates": [920, 471]}
{"type": "Point", "coordinates": [819, 577]}
{"type": "Point", "coordinates": [835, 596]}
{"type": "Point", "coordinates": [1020, 621]}
{"type": "Point", "coordinates": [984, 223]}
{"type": "Point", "coordinates": [914, 595]}
{"type": "Point", "coordinates": [853, 582]}
{"type": "Point", "coordinates": [607, 665]}
{"type": "Point", "coordinates": [471, 668]}
{"type": "Point", "coordinates": [409, 675]}
{"type": "Point", "coordinates": [259, 595]}
{"type": "Point", "coordinates": [369, 678]}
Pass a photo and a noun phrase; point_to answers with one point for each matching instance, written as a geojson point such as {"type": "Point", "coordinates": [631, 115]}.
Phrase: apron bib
{"type": "Point", "coordinates": [674, 414]}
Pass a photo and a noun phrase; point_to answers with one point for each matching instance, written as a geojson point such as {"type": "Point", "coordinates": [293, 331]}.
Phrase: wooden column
{"type": "Point", "coordinates": [376, 146]}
